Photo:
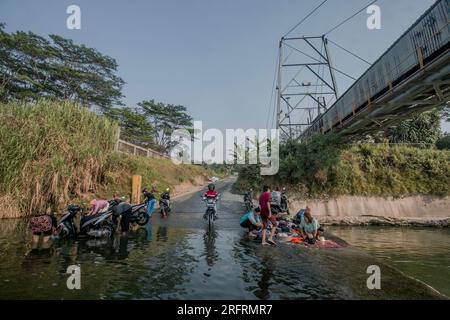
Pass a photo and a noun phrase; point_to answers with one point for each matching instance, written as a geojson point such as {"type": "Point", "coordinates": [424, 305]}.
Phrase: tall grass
{"type": "Point", "coordinates": [162, 173]}
{"type": "Point", "coordinates": [51, 152]}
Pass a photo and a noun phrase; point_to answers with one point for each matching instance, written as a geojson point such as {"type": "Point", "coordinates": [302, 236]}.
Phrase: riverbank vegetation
{"type": "Point", "coordinates": [327, 167]}
{"type": "Point", "coordinates": [52, 153]}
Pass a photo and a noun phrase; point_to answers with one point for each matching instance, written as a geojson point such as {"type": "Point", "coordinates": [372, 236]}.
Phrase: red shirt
{"type": "Point", "coordinates": [211, 194]}
{"type": "Point", "coordinates": [263, 199]}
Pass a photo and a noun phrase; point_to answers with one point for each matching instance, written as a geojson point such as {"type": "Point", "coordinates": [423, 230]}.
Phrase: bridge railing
{"type": "Point", "coordinates": [133, 149]}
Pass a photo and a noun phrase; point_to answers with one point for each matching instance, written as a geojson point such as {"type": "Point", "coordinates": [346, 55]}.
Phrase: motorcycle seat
{"type": "Point", "coordinates": [85, 219]}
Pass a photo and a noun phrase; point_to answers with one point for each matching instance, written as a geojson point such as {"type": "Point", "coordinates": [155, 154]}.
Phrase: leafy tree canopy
{"type": "Point", "coordinates": [134, 125]}
{"type": "Point", "coordinates": [32, 66]}
{"type": "Point", "coordinates": [165, 118]}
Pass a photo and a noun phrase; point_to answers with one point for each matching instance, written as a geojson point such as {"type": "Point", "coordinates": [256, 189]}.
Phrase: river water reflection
{"type": "Point", "coordinates": [166, 261]}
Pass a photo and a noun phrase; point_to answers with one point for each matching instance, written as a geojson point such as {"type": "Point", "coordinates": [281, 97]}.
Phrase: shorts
{"type": "Point", "coordinates": [247, 224]}
{"type": "Point", "coordinates": [272, 219]}
{"type": "Point", "coordinates": [125, 220]}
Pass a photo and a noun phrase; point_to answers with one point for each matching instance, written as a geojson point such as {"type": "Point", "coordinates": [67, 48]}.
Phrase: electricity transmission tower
{"type": "Point", "coordinates": [306, 85]}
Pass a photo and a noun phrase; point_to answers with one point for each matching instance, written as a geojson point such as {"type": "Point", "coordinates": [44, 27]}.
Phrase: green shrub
{"type": "Point", "coordinates": [326, 167]}
{"type": "Point", "coordinates": [52, 153]}
{"type": "Point", "coordinates": [443, 143]}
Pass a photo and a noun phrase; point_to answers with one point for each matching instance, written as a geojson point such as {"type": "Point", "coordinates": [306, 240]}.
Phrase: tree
{"type": "Point", "coordinates": [165, 118]}
{"type": "Point", "coordinates": [423, 130]}
{"type": "Point", "coordinates": [135, 127]}
{"type": "Point", "coordinates": [32, 66]}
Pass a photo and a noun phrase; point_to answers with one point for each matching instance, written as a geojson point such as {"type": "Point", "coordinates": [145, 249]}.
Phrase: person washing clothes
{"type": "Point", "coordinates": [98, 206]}
{"type": "Point", "coordinates": [252, 220]}
{"type": "Point", "coordinates": [310, 228]}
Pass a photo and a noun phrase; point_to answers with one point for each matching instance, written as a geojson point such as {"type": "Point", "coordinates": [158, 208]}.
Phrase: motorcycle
{"type": "Point", "coordinates": [139, 214]}
{"type": "Point", "coordinates": [97, 225]}
{"type": "Point", "coordinates": [66, 227]}
{"type": "Point", "coordinates": [211, 210]}
{"type": "Point", "coordinates": [284, 203]}
{"type": "Point", "coordinates": [248, 201]}
{"type": "Point", "coordinates": [164, 204]}
{"type": "Point", "coordinates": [280, 207]}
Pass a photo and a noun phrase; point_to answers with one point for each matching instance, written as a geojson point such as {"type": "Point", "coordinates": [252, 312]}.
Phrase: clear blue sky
{"type": "Point", "coordinates": [216, 57]}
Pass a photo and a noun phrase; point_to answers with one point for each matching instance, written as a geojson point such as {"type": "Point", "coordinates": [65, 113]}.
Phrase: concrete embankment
{"type": "Point", "coordinates": [429, 211]}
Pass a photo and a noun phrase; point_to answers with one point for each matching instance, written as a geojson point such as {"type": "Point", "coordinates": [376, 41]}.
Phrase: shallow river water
{"type": "Point", "coordinates": [180, 258]}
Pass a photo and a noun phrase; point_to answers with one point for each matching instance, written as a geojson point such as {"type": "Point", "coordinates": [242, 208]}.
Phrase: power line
{"type": "Point", "coordinates": [351, 17]}
{"type": "Point", "coordinates": [311, 57]}
{"type": "Point", "coordinates": [348, 51]}
{"type": "Point", "coordinates": [271, 95]}
{"type": "Point", "coordinates": [305, 18]}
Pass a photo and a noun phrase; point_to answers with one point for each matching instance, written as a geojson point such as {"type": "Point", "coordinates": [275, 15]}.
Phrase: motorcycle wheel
{"type": "Point", "coordinates": [111, 230]}
{"type": "Point", "coordinates": [142, 219]}
{"type": "Point", "coordinates": [210, 220]}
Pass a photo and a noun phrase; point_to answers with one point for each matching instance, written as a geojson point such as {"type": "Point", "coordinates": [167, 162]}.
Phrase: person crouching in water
{"type": "Point", "coordinates": [310, 228]}
{"type": "Point", "coordinates": [252, 221]}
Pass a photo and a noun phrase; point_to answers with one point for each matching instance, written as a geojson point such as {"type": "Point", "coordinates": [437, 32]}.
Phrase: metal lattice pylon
{"type": "Point", "coordinates": [306, 84]}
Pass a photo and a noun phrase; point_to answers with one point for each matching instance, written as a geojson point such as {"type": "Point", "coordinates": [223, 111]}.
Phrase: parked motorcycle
{"type": "Point", "coordinates": [284, 203]}
{"type": "Point", "coordinates": [66, 227]}
{"type": "Point", "coordinates": [280, 207]}
{"type": "Point", "coordinates": [139, 214]}
{"type": "Point", "coordinates": [248, 201]}
{"type": "Point", "coordinates": [97, 225]}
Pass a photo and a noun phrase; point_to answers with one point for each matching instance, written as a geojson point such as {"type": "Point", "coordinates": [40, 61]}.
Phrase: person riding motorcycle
{"type": "Point", "coordinates": [211, 194]}
{"type": "Point", "coordinates": [164, 201]}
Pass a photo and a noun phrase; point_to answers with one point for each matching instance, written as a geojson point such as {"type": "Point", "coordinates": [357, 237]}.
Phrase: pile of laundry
{"type": "Point", "coordinates": [288, 232]}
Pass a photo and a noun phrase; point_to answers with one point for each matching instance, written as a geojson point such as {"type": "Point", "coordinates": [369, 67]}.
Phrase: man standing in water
{"type": "Point", "coordinates": [266, 214]}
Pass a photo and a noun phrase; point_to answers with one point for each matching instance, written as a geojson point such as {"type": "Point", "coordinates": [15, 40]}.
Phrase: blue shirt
{"type": "Point", "coordinates": [309, 227]}
{"type": "Point", "coordinates": [251, 216]}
